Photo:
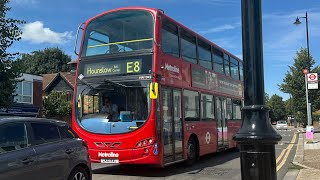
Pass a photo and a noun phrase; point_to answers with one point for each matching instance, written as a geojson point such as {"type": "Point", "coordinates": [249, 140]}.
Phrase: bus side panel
{"type": "Point", "coordinates": [206, 133]}
{"type": "Point", "coordinates": [233, 127]}
{"type": "Point", "coordinates": [172, 71]}
{"type": "Point", "coordinates": [208, 138]}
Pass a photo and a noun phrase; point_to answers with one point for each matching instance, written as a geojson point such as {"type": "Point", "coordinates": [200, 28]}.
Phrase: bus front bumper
{"type": "Point", "coordinates": [144, 155]}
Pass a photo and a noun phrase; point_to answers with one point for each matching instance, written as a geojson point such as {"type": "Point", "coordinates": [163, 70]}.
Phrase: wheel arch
{"type": "Point", "coordinates": [85, 167]}
{"type": "Point", "coordinates": [195, 138]}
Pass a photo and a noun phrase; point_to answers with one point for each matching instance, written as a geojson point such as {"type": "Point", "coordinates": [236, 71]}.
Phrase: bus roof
{"type": "Point", "coordinates": [155, 11]}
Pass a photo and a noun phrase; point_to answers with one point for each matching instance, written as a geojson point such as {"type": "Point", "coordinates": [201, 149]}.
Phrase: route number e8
{"type": "Point", "coordinates": [133, 67]}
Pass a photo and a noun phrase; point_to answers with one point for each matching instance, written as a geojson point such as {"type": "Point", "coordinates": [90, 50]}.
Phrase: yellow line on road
{"type": "Point", "coordinates": [282, 153]}
{"type": "Point", "coordinates": [287, 153]}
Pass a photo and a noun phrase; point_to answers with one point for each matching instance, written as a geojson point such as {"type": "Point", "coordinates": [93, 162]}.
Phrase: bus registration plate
{"type": "Point", "coordinates": [110, 161]}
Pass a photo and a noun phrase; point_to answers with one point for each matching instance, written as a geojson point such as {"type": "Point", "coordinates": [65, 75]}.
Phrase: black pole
{"type": "Point", "coordinates": [308, 40]}
{"type": "Point", "coordinates": [309, 67]}
{"type": "Point", "coordinates": [256, 137]}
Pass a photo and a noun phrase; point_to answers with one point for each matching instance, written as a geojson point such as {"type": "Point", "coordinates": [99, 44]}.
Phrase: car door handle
{"type": "Point", "coordinates": [27, 161]}
{"type": "Point", "coordinates": [69, 151]}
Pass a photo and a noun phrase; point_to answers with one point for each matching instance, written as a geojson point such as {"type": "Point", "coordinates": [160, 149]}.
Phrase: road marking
{"type": "Point", "coordinates": [287, 152]}
{"type": "Point", "coordinates": [281, 154]}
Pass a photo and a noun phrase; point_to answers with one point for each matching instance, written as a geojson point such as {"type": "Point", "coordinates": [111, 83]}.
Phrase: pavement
{"type": "Point", "coordinates": [306, 163]}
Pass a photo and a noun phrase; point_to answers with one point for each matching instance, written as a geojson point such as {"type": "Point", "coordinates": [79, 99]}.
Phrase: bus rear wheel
{"type": "Point", "coordinates": [191, 151]}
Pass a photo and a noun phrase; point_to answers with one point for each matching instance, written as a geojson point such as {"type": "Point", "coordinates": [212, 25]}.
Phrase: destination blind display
{"type": "Point", "coordinates": [132, 66]}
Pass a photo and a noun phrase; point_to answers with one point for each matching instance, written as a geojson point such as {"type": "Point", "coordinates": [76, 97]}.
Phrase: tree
{"type": "Point", "coordinates": [289, 106]}
{"type": "Point", "coordinates": [266, 98]}
{"type": "Point", "coordinates": [57, 106]}
{"type": "Point", "coordinates": [294, 84]}
{"type": "Point", "coordinates": [277, 108]}
{"type": "Point", "coordinates": [49, 60]}
{"type": "Point", "coordinates": [9, 70]}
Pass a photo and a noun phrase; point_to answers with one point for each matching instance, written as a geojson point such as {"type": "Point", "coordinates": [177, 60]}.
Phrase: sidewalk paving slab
{"type": "Point", "coordinates": [291, 174]}
{"type": "Point", "coordinates": [308, 157]}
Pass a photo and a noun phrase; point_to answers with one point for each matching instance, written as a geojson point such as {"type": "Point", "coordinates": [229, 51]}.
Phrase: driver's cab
{"type": "Point", "coordinates": [112, 113]}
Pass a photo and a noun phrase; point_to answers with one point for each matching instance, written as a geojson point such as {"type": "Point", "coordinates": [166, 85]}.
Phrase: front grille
{"type": "Point", "coordinates": [108, 144]}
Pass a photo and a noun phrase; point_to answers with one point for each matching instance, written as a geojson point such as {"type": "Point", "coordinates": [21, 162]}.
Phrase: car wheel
{"type": "Point", "coordinates": [78, 173]}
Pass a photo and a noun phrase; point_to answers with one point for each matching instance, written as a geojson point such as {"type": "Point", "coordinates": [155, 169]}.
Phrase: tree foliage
{"type": "Point", "coordinates": [289, 106]}
{"type": "Point", "coordinates": [266, 98]}
{"type": "Point", "coordinates": [56, 105]}
{"type": "Point", "coordinates": [294, 84]}
{"type": "Point", "coordinates": [9, 70]}
{"type": "Point", "coordinates": [277, 108]}
{"type": "Point", "coordinates": [49, 60]}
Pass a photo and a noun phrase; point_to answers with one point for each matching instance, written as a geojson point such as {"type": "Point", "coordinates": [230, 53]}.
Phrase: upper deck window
{"type": "Point", "coordinates": [204, 51]}
{"type": "Point", "coordinates": [169, 38]}
{"type": "Point", "coordinates": [188, 47]}
{"type": "Point", "coordinates": [119, 31]}
{"type": "Point", "coordinates": [234, 68]}
{"type": "Point", "coordinates": [226, 64]}
{"type": "Point", "coordinates": [217, 60]}
{"type": "Point", "coordinates": [241, 71]}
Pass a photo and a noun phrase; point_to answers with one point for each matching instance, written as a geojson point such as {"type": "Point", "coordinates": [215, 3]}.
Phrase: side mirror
{"type": "Point", "coordinates": [153, 90]}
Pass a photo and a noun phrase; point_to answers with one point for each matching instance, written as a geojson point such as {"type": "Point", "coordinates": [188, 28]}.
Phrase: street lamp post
{"type": "Point", "coordinates": [297, 22]}
{"type": "Point", "coordinates": [256, 137]}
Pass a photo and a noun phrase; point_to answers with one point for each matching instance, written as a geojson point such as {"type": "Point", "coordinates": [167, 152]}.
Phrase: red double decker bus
{"type": "Point", "coordinates": [151, 91]}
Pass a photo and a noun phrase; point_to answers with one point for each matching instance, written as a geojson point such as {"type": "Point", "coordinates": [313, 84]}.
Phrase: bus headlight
{"type": "Point", "coordinates": [145, 142]}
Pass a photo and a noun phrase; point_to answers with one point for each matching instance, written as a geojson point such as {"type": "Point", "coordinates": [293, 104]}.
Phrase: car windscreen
{"type": "Point", "coordinates": [281, 122]}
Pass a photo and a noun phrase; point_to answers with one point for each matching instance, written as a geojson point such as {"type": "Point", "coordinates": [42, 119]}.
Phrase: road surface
{"type": "Point", "coordinates": [218, 166]}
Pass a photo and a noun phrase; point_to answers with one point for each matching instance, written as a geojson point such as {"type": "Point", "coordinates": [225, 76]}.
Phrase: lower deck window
{"type": "Point", "coordinates": [191, 105]}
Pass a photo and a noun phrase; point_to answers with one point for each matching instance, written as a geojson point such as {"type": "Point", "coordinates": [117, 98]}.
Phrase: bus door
{"type": "Point", "coordinates": [172, 125]}
{"type": "Point", "coordinates": [224, 122]}
{"type": "Point", "coordinates": [178, 125]}
{"type": "Point", "coordinates": [221, 122]}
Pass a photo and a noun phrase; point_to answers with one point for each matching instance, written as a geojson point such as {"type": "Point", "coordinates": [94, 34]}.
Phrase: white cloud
{"type": "Point", "coordinates": [225, 43]}
{"type": "Point", "coordinates": [37, 33]}
{"type": "Point", "coordinates": [219, 29]}
{"type": "Point", "coordinates": [283, 38]}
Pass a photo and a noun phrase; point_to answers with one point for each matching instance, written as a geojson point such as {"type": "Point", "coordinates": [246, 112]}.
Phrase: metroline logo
{"type": "Point", "coordinates": [172, 68]}
{"type": "Point", "coordinates": [111, 154]}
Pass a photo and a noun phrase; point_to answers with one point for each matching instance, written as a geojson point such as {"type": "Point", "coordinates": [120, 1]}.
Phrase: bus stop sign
{"type": "Point", "coordinates": [312, 80]}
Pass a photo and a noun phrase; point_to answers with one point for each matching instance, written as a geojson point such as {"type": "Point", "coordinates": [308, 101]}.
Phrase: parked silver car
{"type": "Point", "coordinates": [32, 148]}
{"type": "Point", "coordinates": [282, 125]}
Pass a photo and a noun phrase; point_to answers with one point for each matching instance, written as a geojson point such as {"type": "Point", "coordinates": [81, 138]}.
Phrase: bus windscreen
{"type": "Point", "coordinates": [118, 32]}
{"type": "Point", "coordinates": [108, 107]}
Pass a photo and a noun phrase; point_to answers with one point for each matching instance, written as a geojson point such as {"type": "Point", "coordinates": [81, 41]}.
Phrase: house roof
{"type": "Point", "coordinates": [48, 79]}
{"type": "Point", "coordinates": [69, 77]}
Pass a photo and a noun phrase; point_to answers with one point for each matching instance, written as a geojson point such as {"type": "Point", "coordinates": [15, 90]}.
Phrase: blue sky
{"type": "Point", "coordinates": [54, 24]}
